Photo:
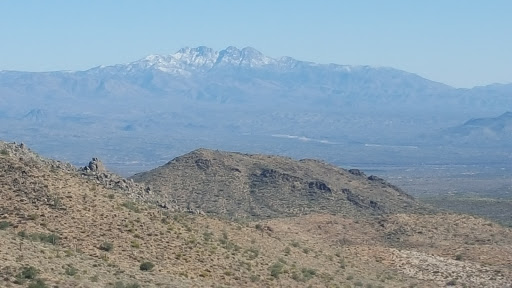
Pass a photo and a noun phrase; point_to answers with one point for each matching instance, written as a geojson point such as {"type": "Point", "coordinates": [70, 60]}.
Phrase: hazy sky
{"type": "Point", "coordinates": [458, 42]}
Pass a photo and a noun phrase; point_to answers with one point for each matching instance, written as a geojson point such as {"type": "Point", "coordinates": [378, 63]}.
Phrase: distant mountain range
{"type": "Point", "coordinates": [491, 131]}
{"type": "Point", "coordinates": [233, 99]}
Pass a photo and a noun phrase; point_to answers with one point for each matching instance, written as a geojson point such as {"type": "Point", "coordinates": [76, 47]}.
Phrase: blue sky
{"type": "Point", "coordinates": [457, 42]}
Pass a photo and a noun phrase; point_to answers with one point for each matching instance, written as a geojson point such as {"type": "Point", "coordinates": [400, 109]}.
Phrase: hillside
{"type": "Point", "coordinates": [63, 226]}
{"type": "Point", "coordinates": [237, 185]}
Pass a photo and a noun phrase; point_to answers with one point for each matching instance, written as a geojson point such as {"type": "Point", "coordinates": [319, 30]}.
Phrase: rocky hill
{"type": "Point", "coordinates": [62, 226]}
{"type": "Point", "coordinates": [264, 186]}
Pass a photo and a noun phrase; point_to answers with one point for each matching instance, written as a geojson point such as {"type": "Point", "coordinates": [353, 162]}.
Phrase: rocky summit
{"type": "Point", "coordinates": [263, 186]}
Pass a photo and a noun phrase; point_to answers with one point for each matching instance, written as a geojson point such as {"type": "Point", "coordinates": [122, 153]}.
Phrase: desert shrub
{"type": "Point", "coordinates": [207, 236]}
{"type": "Point", "coordinates": [146, 266]}
{"type": "Point", "coordinates": [27, 273]}
{"type": "Point", "coordinates": [106, 246]}
{"type": "Point", "coordinates": [252, 253]}
{"type": "Point", "coordinates": [71, 271]}
{"type": "Point", "coordinates": [295, 244]}
{"type": "Point", "coordinates": [276, 269]}
{"type": "Point", "coordinates": [39, 283]}
{"type": "Point", "coordinates": [358, 284]}
{"type": "Point", "coordinates": [132, 206]}
{"type": "Point", "coordinates": [458, 257]}
{"type": "Point", "coordinates": [287, 251]}
{"type": "Point", "coordinates": [255, 278]}
{"type": "Point", "coordinates": [4, 152]}
{"type": "Point", "coordinates": [135, 244]}
{"type": "Point", "coordinates": [95, 278]}
{"type": "Point", "coordinates": [308, 273]}
{"type": "Point", "coordinates": [4, 225]}
{"type": "Point", "coordinates": [48, 238]}
{"type": "Point", "coordinates": [452, 282]}
{"type": "Point", "coordinates": [41, 237]}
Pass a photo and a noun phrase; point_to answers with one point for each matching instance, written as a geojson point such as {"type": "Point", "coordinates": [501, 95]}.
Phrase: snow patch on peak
{"type": "Point", "coordinates": [248, 57]}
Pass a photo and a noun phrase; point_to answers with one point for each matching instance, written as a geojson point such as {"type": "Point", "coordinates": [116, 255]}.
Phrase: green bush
{"type": "Point", "coordinates": [4, 225]}
{"type": "Point", "coordinates": [27, 273]}
{"type": "Point", "coordinates": [71, 271]}
{"type": "Point", "coordinates": [106, 246]}
{"type": "Point", "coordinates": [276, 269]}
{"type": "Point", "coordinates": [146, 266]}
{"type": "Point", "coordinates": [308, 273]}
{"type": "Point", "coordinates": [4, 152]}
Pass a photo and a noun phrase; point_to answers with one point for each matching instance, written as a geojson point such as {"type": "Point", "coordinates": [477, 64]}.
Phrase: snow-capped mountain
{"type": "Point", "coordinates": [200, 91]}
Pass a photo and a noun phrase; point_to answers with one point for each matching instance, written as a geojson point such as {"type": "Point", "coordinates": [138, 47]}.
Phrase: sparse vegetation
{"type": "Point", "coordinates": [132, 206]}
{"type": "Point", "coordinates": [41, 237]}
{"type": "Point", "coordinates": [27, 273]}
{"type": "Point", "coordinates": [4, 225]}
{"type": "Point", "coordinates": [308, 273]}
{"type": "Point", "coordinates": [106, 246]}
{"type": "Point", "coordinates": [146, 266]}
{"type": "Point", "coordinates": [252, 253]}
{"type": "Point", "coordinates": [202, 249]}
{"type": "Point", "coordinates": [135, 244]}
{"type": "Point", "coordinates": [71, 270]}
{"type": "Point", "coordinates": [276, 269]}
{"type": "Point", "coordinates": [38, 283]}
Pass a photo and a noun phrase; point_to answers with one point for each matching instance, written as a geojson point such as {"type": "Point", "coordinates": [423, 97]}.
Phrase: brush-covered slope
{"type": "Point", "coordinates": [262, 186]}
{"type": "Point", "coordinates": [62, 227]}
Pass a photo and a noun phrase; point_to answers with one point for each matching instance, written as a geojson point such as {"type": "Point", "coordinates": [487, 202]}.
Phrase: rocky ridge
{"type": "Point", "coordinates": [237, 185]}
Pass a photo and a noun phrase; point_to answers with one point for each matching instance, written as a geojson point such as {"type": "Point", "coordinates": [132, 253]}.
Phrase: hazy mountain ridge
{"type": "Point", "coordinates": [199, 97]}
{"type": "Point", "coordinates": [489, 131]}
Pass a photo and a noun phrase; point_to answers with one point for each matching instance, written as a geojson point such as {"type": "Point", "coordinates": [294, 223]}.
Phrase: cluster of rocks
{"type": "Point", "coordinates": [96, 172]}
{"type": "Point", "coordinates": [22, 152]}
